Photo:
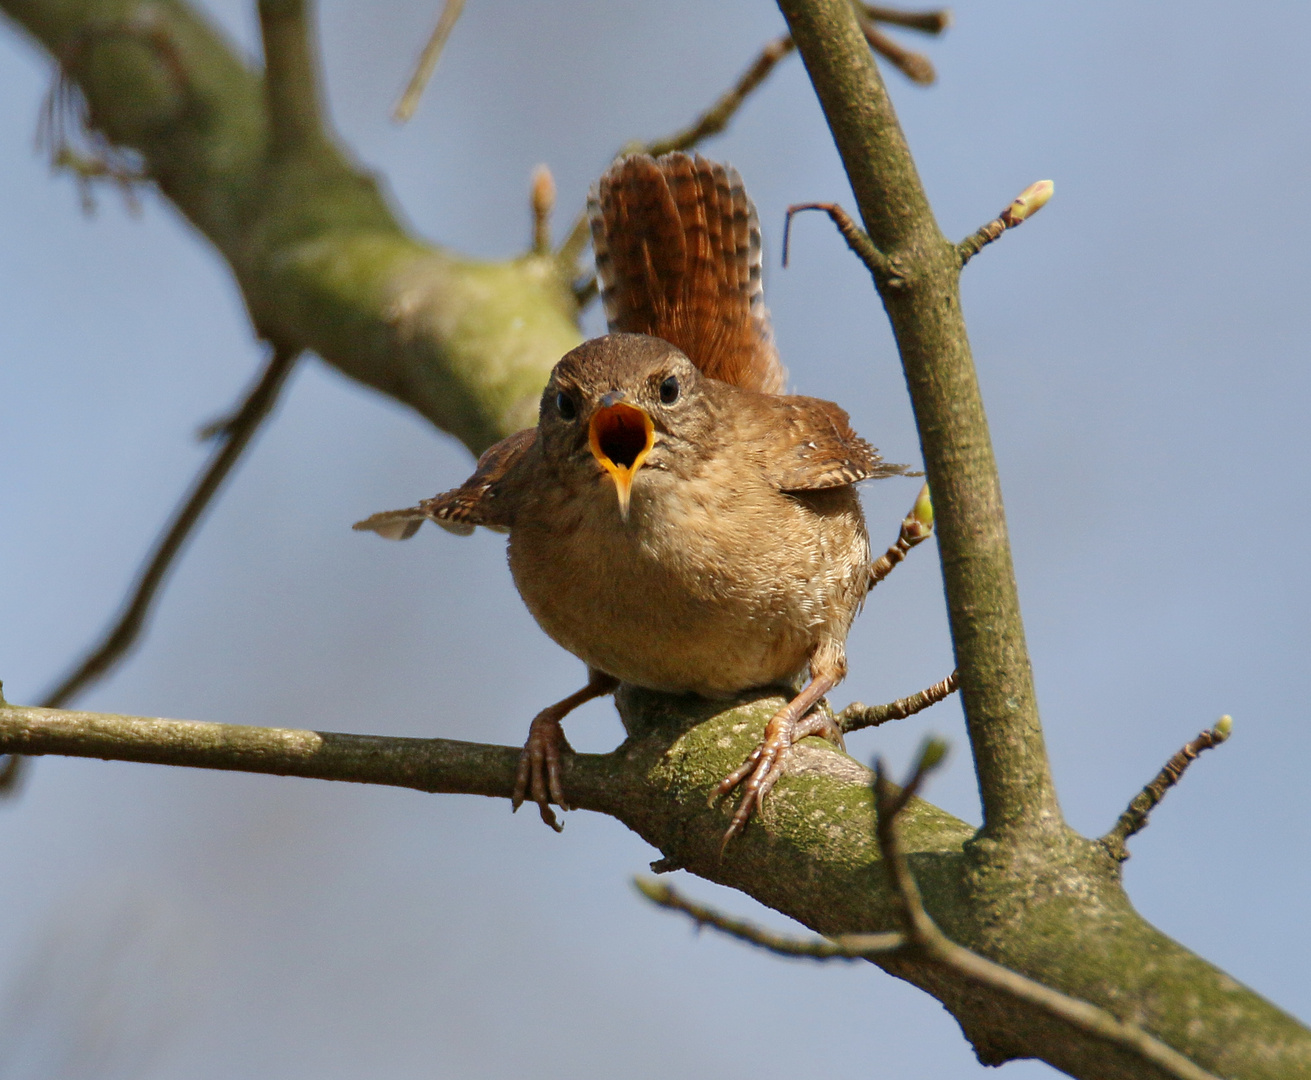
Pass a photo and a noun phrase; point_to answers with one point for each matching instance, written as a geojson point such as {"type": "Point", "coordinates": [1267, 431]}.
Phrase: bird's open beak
{"type": "Point", "coordinates": [620, 437]}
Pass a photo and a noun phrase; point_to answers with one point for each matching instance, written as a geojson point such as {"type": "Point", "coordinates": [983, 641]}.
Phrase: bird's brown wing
{"type": "Point", "coordinates": [807, 444]}
{"type": "Point", "coordinates": [478, 501]}
{"type": "Point", "coordinates": [678, 257]}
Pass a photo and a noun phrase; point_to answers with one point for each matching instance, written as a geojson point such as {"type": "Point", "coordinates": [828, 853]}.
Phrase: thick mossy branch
{"type": "Point", "coordinates": [320, 257]}
{"type": "Point", "coordinates": [810, 854]}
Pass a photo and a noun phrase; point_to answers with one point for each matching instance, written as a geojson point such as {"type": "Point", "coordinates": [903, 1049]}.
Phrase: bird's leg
{"type": "Point", "coordinates": [787, 727]}
{"type": "Point", "coordinates": [539, 764]}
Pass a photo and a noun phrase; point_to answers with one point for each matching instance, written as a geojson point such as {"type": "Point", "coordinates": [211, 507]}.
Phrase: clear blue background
{"type": "Point", "coordinates": [1142, 347]}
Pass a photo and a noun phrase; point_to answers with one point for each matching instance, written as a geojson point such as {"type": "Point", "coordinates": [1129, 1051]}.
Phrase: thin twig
{"type": "Point", "coordinates": [848, 947]}
{"type": "Point", "coordinates": [915, 66]}
{"type": "Point", "coordinates": [1134, 818]}
{"type": "Point", "coordinates": [711, 122]}
{"type": "Point", "coordinates": [409, 100]}
{"type": "Point", "coordinates": [237, 434]}
{"type": "Point", "coordinates": [916, 527]}
{"type": "Point", "coordinates": [926, 22]}
{"type": "Point", "coordinates": [436, 765]}
{"type": "Point", "coordinates": [1027, 203]}
{"type": "Point", "coordinates": [857, 715]}
{"type": "Point", "coordinates": [543, 202]}
{"type": "Point", "coordinates": [875, 261]}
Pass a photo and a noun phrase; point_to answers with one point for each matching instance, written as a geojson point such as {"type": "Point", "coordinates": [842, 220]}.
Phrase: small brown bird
{"type": "Point", "coordinates": [676, 521]}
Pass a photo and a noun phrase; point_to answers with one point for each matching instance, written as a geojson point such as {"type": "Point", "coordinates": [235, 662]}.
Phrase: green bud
{"type": "Point", "coordinates": [933, 751]}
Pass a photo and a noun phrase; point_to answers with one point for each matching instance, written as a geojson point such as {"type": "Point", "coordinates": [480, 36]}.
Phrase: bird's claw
{"type": "Point", "coordinates": [766, 763]}
{"type": "Point", "coordinates": [538, 774]}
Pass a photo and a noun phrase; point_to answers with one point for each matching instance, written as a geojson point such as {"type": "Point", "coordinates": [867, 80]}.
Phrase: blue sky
{"type": "Point", "coordinates": [1142, 347]}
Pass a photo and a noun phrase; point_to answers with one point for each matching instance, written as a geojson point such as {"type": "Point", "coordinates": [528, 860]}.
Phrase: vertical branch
{"type": "Point", "coordinates": [923, 303]}
{"type": "Point", "coordinates": [291, 81]}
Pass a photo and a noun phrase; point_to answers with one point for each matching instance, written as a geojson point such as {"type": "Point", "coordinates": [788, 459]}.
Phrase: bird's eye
{"type": "Point", "coordinates": [669, 390]}
{"type": "Point", "coordinates": [565, 406]}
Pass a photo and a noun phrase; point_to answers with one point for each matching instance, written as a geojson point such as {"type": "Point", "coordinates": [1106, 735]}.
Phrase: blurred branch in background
{"type": "Point", "coordinates": [234, 433]}
{"type": "Point", "coordinates": [715, 119]}
{"type": "Point", "coordinates": [427, 64]}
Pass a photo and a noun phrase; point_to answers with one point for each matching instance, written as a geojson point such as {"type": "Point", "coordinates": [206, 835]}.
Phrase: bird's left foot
{"type": "Point", "coordinates": [765, 764]}
{"type": "Point", "coordinates": [539, 766]}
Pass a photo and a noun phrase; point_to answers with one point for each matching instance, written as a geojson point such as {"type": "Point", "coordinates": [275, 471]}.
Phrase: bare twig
{"type": "Point", "coordinates": [848, 947]}
{"type": "Point", "coordinates": [409, 100]}
{"type": "Point", "coordinates": [237, 434]}
{"type": "Point", "coordinates": [915, 66]}
{"type": "Point", "coordinates": [926, 22]}
{"type": "Point", "coordinates": [711, 122]}
{"type": "Point", "coordinates": [437, 765]}
{"type": "Point", "coordinates": [858, 715]}
{"type": "Point", "coordinates": [875, 261]}
{"type": "Point", "coordinates": [1134, 819]}
{"type": "Point", "coordinates": [1027, 203]}
{"type": "Point", "coordinates": [291, 81]}
{"type": "Point", "coordinates": [916, 527]}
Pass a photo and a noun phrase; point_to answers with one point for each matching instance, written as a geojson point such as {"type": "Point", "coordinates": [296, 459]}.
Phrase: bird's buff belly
{"type": "Point", "coordinates": [679, 624]}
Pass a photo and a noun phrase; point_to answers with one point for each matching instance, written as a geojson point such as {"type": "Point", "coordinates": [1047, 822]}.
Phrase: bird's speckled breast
{"type": "Point", "coordinates": [707, 588]}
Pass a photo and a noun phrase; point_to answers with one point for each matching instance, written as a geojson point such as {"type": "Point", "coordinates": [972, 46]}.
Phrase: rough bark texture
{"type": "Point", "coordinates": [324, 265]}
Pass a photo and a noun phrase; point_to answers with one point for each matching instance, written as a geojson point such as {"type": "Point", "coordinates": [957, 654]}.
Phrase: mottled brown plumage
{"type": "Point", "coordinates": [678, 256]}
{"type": "Point", "coordinates": [674, 529]}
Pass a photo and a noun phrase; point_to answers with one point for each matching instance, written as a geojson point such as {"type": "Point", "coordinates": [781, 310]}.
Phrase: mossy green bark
{"type": "Point", "coordinates": [321, 259]}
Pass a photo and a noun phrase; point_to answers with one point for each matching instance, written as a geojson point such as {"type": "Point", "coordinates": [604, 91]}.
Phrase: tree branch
{"type": "Point", "coordinates": [291, 79]}
{"type": "Point", "coordinates": [922, 942]}
{"type": "Point", "coordinates": [857, 715]}
{"type": "Point", "coordinates": [811, 855]}
{"type": "Point", "coordinates": [320, 257]}
{"type": "Point", "coordinates": [1015, 783]}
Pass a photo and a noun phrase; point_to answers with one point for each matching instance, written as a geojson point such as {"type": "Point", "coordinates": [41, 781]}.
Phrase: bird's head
{"type": "Point", "coordinates": [619, 404]}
